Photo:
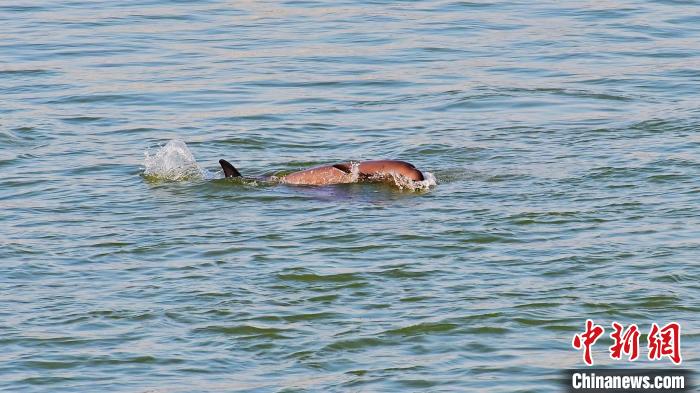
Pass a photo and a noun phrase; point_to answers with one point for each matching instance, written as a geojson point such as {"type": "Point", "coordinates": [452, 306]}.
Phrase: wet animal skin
{"type": "Point", "coordinates": [343, 172]}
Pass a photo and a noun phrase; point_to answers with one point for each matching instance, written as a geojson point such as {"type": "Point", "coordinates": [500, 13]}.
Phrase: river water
{"type": "Point", "coordinates": [563, 136]}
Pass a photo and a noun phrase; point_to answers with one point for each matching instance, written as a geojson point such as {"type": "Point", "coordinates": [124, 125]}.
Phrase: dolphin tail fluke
{"type": "Point", "coordinates": [229, 170]}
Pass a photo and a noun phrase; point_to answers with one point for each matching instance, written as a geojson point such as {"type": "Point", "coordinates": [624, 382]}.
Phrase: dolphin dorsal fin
{"type": "Point", "coordinates": [229, 170]}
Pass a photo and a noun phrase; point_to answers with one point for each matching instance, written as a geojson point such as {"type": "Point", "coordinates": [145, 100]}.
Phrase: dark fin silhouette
{"type": "Point", "coordinates": [229, 170]}
{"type": "Point", "coordinates": [347, 168]}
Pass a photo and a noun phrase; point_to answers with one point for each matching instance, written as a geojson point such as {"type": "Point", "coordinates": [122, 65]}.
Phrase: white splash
{"type": "Point", "coordinates": [429, 180]}
{"type": "Point", "coordinates": [404, 183]}
{"type": "Point", "coordinates": [174, 162]}
{"type": "Point", "coordinates": [354, 171]}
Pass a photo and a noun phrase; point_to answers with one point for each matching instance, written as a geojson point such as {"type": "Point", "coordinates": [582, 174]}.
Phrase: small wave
{"type": "Point", "coordinates": [429, 181]}
{"type": "Point", "coordinates": [404, 183]}
{"type": "Point", "coordinates": [173, 162]}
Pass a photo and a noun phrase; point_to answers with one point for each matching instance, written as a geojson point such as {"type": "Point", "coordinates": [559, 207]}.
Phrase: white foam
{"type": "Point", "coordinates": [354, 171]}
{"type": "Point", "coordinates": [404, 183]}
{"type": "Point", "coordinates": [429, 180]}
{"type": "Point", "coordinates": [174, 162]}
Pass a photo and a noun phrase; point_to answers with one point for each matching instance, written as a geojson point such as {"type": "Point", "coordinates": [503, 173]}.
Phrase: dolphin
{"type": "Point", "coordinates": [343, 172]}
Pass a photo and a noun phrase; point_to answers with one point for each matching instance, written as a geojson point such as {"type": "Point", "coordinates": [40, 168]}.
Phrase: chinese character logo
{"type": "Point", "coordinates": [586, 340]}
{"type": "Point", "coordinates": [663, 342]}
{"type": "Point", "coordinates": [627, 343]}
